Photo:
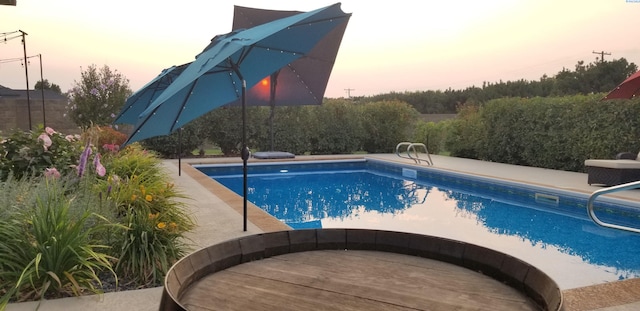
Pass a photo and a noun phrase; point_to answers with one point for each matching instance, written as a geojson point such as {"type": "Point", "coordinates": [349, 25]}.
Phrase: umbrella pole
{"type": "Point", "coordinates": [179, 151]}
{"type": "Point", "coordinates": [272, 103]}
{"type": "Point", "coordinates": [244, 154]}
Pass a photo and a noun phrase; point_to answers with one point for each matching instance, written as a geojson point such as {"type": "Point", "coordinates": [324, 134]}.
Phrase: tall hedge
{"type": "Point", "coordinates": [387, 123]}
{"type": "Point", "coordinates": [551, 132]}
{"type": "Point", "coordinates": [335, 128]}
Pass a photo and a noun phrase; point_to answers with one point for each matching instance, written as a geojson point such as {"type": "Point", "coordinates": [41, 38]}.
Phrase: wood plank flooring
{"type": "Point", "coordinates": [351, 280]}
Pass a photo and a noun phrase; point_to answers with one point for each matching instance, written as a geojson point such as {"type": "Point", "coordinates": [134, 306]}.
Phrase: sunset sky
{"type": "Point", "coordinates": [388, 46]}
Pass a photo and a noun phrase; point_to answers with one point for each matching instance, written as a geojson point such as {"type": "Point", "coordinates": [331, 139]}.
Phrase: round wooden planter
{"type": "Point", "coordinates": [526, 279]}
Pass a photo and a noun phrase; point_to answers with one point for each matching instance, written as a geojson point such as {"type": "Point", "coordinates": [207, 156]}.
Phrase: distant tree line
{"type": "Point", "coordinates": [595, 77]}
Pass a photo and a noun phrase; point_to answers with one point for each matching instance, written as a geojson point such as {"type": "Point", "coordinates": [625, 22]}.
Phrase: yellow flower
{"type": "Point", "coordinates": [161, 225]}
{"type": "Point", "coordinates": [133, 197]}
{"type": "Point", "coordinates": [173, 226]}
{"type": "Point", "coordinates": [154, 216]}
{"type": "Point", "coordinates": [142, 189]}
{"type": "Point", "coordinates": [149, 198]}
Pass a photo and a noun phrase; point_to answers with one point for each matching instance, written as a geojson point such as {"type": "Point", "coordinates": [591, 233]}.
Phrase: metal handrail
{"type": "Point", "coordinates": [597, 193]}
{"type": "Point", "coordinates": [412, 147]}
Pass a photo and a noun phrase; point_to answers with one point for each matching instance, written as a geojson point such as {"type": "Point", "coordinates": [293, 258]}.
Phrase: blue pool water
{"type": "Point", "coordinates": [548, 229]}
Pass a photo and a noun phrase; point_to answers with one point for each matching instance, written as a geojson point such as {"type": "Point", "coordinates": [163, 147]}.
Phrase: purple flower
{"type": "Point", "coordinates": [94, 91]}
{"type": "Point", "coordinates": [84, 157]}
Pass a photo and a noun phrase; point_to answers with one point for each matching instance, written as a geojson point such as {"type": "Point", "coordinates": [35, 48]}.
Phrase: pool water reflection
{"type": "Point", "coordinates": [558, 239]}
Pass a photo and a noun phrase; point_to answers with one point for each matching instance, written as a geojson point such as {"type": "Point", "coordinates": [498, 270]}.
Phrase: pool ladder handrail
{"type": "Point", "coordinates": [411, 147]}
{"type": "Point", "coordinates": [597, 193]}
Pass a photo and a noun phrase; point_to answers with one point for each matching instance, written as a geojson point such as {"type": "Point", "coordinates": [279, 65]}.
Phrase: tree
{"type": "Point", "coordinates": [40, 85]}
{"type": "Point", "coordinates": [596, 77]}
{"type": "Point", "coordinates": [98, 97]}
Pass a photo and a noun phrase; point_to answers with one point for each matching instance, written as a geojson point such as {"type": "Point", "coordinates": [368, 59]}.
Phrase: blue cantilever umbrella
{"type": "Point", "coordinates": [141, 99]}
{"type": "Point", "coordinates": [221, 73]}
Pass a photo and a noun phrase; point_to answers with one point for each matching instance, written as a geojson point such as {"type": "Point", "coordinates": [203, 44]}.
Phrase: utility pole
{"type": "Point", "coordinates": [44, 118]}
{"type": "Point", "coordinates": [349, 92]}
{"type": "Point", "coordinates": [26, 74]}
{"type": "Point", "coordinates": [602, 54]}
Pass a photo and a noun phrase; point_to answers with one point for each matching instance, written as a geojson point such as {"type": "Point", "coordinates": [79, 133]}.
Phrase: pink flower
{"type": "Point", "coordinates": [51, 172]}
{"type": "Point", "coordinates": [70, 138]}
{"type": "Point", "coordinates": [111, 147]}
{"type": "Point", "coordinates": [49, 130]}
{"type": "Point", "coordinates": [100, 170]}
{"type": "Point", "coordinates": [46, 140]}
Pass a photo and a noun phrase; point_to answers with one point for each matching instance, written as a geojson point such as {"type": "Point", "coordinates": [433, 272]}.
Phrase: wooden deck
{"type": "Point", "coordinates": [350, 280]}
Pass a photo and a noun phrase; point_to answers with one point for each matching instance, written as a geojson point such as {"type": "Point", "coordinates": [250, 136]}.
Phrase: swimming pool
{"type": "Point", "coordinates": [549, 229]}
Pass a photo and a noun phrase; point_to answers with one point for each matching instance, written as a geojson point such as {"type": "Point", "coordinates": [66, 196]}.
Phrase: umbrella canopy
{"type": "Point", "coordinates": [301, 82]}
{"type": "Point", "coordinates": [231, 62]}
{"type": "Point", "coordinates": [141, 99]}
{"type": "Point", "coordinates": [629, 88]}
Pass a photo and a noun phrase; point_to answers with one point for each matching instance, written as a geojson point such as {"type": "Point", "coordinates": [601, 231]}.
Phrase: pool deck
{"type": "Point", "coordinates": [218, 215]}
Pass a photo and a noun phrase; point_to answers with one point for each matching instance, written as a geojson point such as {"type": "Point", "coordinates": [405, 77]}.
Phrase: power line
{"type": "Point", "coordinates": [15, 59]}
{"type": "Point", "coordinates": [7, 36]}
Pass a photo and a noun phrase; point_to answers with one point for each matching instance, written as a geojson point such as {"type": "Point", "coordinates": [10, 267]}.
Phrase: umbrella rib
{"type": "Point", "coordinates": [184, 102]}
{"type": "Point", "coordinates": [330, 19]}
{"type": "Point", "coordinates": [293, 69]}
{"type": "Point", "coordinates": [281, 50]}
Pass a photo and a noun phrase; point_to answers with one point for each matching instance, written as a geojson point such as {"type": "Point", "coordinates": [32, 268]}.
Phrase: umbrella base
{"type": "Point", "coordinates": [273, 155]}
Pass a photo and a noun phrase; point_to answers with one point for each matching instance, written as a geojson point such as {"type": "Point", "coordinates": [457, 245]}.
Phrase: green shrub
{"type": "Point", "coordinates": [147, 203]}
{"type": "Point", "coordinates": [432, 134]}
{"type": "Point", "coordinates": [466, 134]}
{"type": "Point", "coordinates": [551, 132]}
{"type": "Point", "coordinates": [335, 128]}
{"type": "Point", "coordinates": [223, 127]}
{"type": "Point", "coordinates": [50, 243]}
{"type": "Point", "coordinates": [31, 153]}
{"type": "Point", "coordinates": [288, 134]}
{"type": "Point", "coordinates": [179, 144]}
{"type": "Point", "coordinates": [385, 124]}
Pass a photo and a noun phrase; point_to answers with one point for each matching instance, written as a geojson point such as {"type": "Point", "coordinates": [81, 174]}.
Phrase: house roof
{"type": "Point", "coordinates": [6, 92]}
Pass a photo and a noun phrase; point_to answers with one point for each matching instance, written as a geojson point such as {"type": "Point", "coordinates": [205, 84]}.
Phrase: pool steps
{"type": "Point", "coordinates": [412, 153]}
{"type": "Point", "coordinates": [597, 193]}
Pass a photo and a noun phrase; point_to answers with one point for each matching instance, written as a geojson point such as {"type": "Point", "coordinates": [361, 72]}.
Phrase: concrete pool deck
{"type": "Point", "coordinates": [215, 210]}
